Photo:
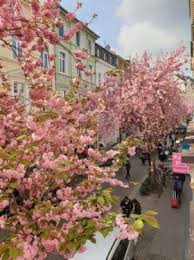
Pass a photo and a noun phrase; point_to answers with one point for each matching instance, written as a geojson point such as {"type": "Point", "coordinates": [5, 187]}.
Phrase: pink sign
{"type": "Point", "coordinates": [178, 166]}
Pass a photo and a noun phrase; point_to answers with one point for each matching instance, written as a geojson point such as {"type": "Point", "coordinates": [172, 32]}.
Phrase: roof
{"type": "Point", "coordinates": [100, 250]}
{"type": "Point", "coordinates": [76, 20]}
{"type": "Point", "coordinates": [107, 50]}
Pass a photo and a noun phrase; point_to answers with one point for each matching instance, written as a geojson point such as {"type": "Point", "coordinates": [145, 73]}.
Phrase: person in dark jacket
{"type": "Point", "coordinates": [126, 206]}
{"type": "Point", "coordinates": [128, 167]}
{"type": "Point", "coordinates": [178, 187]}
{"type": "Point", "coordinates": [136, 207]}
{"type": "Point", "coordinates": [143, 157]}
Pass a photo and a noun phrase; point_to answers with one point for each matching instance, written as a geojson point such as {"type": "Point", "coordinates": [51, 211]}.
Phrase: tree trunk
{"type": "Point", "coordinates": [152, 172]}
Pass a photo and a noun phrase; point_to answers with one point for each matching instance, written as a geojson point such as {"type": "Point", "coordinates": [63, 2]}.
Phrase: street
{"type": "Point", "coordinates": [170, 241]}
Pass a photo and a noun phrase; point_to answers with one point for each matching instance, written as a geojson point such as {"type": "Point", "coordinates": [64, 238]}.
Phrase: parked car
{"type": "Point", "coordinates": [108, 248]}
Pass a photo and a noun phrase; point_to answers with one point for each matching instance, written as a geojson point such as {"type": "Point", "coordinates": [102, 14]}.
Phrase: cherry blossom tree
{"type": "Point", "coordinates": [51, 196]}
{"type": "Point", "coordinates": [146, 96]}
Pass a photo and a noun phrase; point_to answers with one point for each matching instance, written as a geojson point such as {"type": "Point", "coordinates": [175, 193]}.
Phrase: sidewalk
{"type": "Point", "coordinates": [170, 241]}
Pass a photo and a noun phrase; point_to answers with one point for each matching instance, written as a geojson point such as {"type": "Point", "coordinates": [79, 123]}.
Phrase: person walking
{"type": "Point", "coordinates": [126, 206]}
{"type": "Point", "coordinates": [178, 187]}
{"type": "Point", "coordinates": [143, 157]}
{"type": "Point", "coordinates": [173, 139]}
{"type": "Point", "coordinates": [136, 207]}
{"type": "Point", "coordinates": [128, 167]}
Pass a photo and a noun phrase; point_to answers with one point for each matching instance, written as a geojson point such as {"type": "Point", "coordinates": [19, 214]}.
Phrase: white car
{"type": "Point", "coordinates": [107, 248]}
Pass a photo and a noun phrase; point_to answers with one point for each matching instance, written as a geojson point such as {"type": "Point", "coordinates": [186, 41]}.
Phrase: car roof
{"type": "Point", "coordinates": [99, 250]}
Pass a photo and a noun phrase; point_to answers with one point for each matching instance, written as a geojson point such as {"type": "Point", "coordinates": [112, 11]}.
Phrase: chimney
{"type": "Point", "coordinates": [107, 47]}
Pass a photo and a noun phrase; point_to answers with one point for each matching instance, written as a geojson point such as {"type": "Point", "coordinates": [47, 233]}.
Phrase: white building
{"type": "Point", "coordinates": [105, 62]}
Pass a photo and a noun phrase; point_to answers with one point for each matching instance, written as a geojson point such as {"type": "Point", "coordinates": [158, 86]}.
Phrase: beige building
{"type": "Point", "coordinates": [65, 62]}
{"type": "Point", "coordinates": [8, 58]}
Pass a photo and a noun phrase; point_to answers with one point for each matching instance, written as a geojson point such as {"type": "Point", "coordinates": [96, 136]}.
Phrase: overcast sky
{"type": "Point", "coordinates": [132, 26]}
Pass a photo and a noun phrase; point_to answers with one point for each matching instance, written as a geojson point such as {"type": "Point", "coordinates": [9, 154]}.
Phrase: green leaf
{"type": "Point", "coordinates": [13, 185]}
{"type": "Point", "coordinates": [21, 137]}
{"type": "Point", "coordinates": [64, 176]}
{"type": "Point", "coordinates": [152, 221]}
{"type": "Point", "coordinates": [4, 254]}
{"type": "Point", "coordinates": [150, 212]}
{"type": "Point", "coordinates": [25, 162]}
{"type": "Point", "coordinates": [92, 239]}
{"type": "Point", "coordinates": [135, 216]}
{"type": "Point", "coordinates": [106, 231]}
{"type": "Point", "coordinates": [14, 252]}
{"type": "Point", "coordinates": [135, 183]}
{"type": "Point", "coordinates": [101, 201]}
{"type": "Point", "coordinates": [4, 155]}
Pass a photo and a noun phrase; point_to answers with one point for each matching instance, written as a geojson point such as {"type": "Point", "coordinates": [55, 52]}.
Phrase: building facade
{"type": "Point", "coordinates": [9, 59]}
{"type": "Point", "coordinates": [65, 62]}
{"type": "Point", "coordinates": [105, 62]}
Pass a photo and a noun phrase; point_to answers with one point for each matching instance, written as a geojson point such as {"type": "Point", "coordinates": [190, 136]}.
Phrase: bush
{"type": "Point", "coordinates": [145, 188]}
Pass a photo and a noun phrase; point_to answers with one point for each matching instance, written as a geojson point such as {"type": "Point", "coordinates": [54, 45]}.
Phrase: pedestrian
{"type": "Point", "coordinates": [143, 157]}
{"type": "Point", "coordinates": [159, 149]}
{"type": "Point", "coordinates": [126, 206]}
{"type": "Point", "coordinates": [128, 167]}
{"type": "Point", "coordinates": [162, 155]}
{"type": "Point", "coordinates": [178, 187]}
{"type": "Point", "coordinates": [136, 207]}
{"type": "Point", "coordinates": [149, 159]}
{"type": "Point", "coordinates": [173, 138]}
{"type": "Point", "coordinates": [101, 147]}
{"type": "Point", "coordinates": [138, 150]}
{"type": "Point", "coordinates": [180, 177]}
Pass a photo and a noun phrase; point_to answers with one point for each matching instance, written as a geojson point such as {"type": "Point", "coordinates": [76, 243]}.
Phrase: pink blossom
{"type": "Point", "coordinates": [70, 16]}
{"type": "Point", "coordinates": [30, 123]}
{"type": "Point", "coordinates": [3, 204]}
{"type": "Point", "coordinates": [50, 245]}
{"type": "Point", "coordinates": [80, 66]}
{"type": "Point", "coordinates": [79, 26]}
{"type": "Point", "coordinates": [86, 140]}
{"type": "Point", "coordinates": [111, 153]}
{"type": "Point", "coordinates": [82, 249]}
{"type": "Point", "coordinates": [2, 221]}
{"type": "Point", "coordinates": [76, 81]}
{"type": "Point", "coordinates": [132, 151]}
{"type": "Point", "coordinates": [80, 54]}
{"type": "Point", "coordinates": [68, 35]}
{"type": "Point", "coordinates": [88, 73]}
{"type": "Point", "coordinates": [64, 193]}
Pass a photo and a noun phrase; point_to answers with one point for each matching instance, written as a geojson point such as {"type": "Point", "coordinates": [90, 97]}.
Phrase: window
{"type": "Point", "coordinates": [18, 88]}
{"type": "Point", "coordinates": [90, 46]}
{"type": "Point", "coordinates": [79, 74]}
{"type": "Point", "coordinates": [91, 69]}
{"type": "Point", "coordinates": [99, 77]}
{"type": "Point", "coordinates": [106, 56]}
{"type": "Point", "coordinates": [112, 60]}
{"type": "Point", "coordinates": [45, 59]}
{"type": "Point", "coordinates": [98, 53]}
{"type": "Point", "coordinates": [61, 30]}
{"type": "Point", "coordinates": [62, 60]}
{"type": "Point", "coordinates": [121, 250]}
{"type": "Point", "coordinates": [77, 38]}
{"type": "Point", "coordinates": [17, 51]}
{"type": "Point", "coordinates": [62, 92]}
{"type": "Point", "coordinates": [15, 88]}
